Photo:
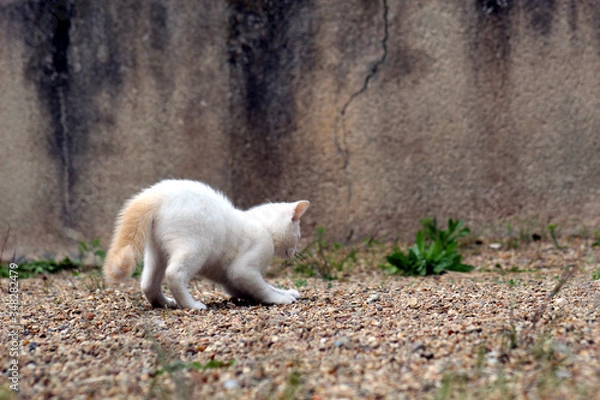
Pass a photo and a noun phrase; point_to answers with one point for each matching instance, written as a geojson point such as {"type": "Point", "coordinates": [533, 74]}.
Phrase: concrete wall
{"type": "Point", "coordinates": [379, 112]}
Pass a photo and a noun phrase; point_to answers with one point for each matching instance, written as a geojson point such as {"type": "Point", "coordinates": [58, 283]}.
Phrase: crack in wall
{"type": "Point", "coordinates": [342, 148]}
{"type": "Point", "coordinates": [377, 64]}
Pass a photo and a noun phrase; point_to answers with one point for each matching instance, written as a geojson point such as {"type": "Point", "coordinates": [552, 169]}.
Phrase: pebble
{"type": "Point", "coordinates": [372, 298]}
{"type": "Point", "coordinates": [412, 302]}
{"type": "Point", "coordinates": [231, 384]}
{"type": "Point", "coordinates": [560, 301]}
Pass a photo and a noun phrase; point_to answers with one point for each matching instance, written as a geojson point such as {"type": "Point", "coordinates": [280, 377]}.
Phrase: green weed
{"type": "Point", "coordinates": [91, 251]}
{"type": "Point", "coordinates": [323, 258]}
{"type": "Point", "coordinates": [512, 282]}
{"type": "Point", "coordinates": [6, 393]}
{"type": "Point", "coordinates": [293, 384]}
{"type": "Point", "coordinates": [552, 229]}
{"type": "Point", "coordinates": [48, 266]}
{"type": "Point", "coordinates": [94, 281]}
{"type": "Point", "coordinates": [301, 283]}
{"type": "Point", "coordinates": [435, 251]}
{"type": "Point", "coordinates": [137, 272]}
{"type": "Point", "coordinates": [597, 237]}
{"type": "Point", "coordinates": [523, 237]}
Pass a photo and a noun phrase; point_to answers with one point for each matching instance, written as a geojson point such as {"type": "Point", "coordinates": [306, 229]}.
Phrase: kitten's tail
{"type": "Point", "coordinates": [133, 225]}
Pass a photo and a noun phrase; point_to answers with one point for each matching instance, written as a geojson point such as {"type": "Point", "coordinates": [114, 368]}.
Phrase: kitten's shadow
{"type": "Point", "coordinates": [233, 303]}
{"type": "Point", "coordinates": [225, 304]}
{"type": "Point", "coordinates": [228, 304]}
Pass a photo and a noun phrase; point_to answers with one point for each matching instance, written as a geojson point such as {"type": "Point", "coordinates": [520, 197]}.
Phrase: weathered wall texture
{"type": "Point", "coordinates": [379, 112]}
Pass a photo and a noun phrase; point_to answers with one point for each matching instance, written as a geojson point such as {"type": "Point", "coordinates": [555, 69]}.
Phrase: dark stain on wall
{"type": "Point", "coordinates": [572, 15]}
{"type": "Point", "coordinates": [158, 27]}
{"type": "Point", "coordinates": [494, 7]}
{"type": "Point", "coordinates": [541, 14]}
{"type": "Point", "coordinates": [46, 29]}
{"type": "Point", "coordinates": [271, 46]}
{"type": "Point", "coordinates": [490, 52]}
{"type": "Point", "coordinates": [66, 84]}
{"type": "Point", "coordinates": [491, 60]}
{"type": "Point", "coordinates": [596, 22]}
{"type": "Point", "coordinates": [159, 39]}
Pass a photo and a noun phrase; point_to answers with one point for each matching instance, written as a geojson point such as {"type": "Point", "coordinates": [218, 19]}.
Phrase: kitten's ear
{"type": "Point", "coordinates": [299, 208]}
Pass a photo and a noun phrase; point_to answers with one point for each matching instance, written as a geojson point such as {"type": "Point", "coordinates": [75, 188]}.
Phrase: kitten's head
{"type": "Point", "coordinates": [283, 222]}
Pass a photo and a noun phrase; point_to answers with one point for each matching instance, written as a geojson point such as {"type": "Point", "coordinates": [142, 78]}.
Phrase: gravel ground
{"type": "Point", "coordinates": [491, 333]}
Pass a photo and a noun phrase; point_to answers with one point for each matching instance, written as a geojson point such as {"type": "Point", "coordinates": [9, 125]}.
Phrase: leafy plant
{"type": "Point", "coordinates": [323, 258]}
{"type": "Point", "coordinates": [446, 237]}
{"type": "Point", "coordinates": [434, 253]}
{"type": "Point", "coordinates": [596, 274]}
{"type": "Point", "coordinates": [48, 266]}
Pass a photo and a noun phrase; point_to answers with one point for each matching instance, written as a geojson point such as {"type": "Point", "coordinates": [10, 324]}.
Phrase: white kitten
{"type": "Point", "coordinates": [185, 228]}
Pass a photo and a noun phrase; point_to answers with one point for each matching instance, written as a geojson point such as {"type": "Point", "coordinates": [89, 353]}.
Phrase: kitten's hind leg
{"type": "Point", "coordinates": [152, 276]}
{"type": "Point", "coordinates": [178, 274]}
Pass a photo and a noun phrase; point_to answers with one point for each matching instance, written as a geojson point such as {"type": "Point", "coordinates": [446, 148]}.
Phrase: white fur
{"type": "Point", "coordinates": [195, 230]}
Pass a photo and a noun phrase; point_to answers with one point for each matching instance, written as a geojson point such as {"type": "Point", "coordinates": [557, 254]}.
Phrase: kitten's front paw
{"type": "Point", "coordinates": [294, 293]}
{"type": "Point", "coordinates": [281, 299]}
{"type": "Point", "coordinates": [198, 306]}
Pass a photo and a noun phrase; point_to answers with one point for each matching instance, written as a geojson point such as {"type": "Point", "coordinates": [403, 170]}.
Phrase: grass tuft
{"type": "Point", "coordinates": [90, 254]}
{"type": "Point", "coordinates": [323, 258]}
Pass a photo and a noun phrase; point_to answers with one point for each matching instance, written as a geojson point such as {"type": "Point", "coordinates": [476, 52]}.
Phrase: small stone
{"type": "Point", "coordinates": [231, 384]}
{"type": "Point", "coordinates": [473, 329]}
{"type": "Point", "coordinates": [412, 302]}
{"type": "Point", "coordinates": [372, 298]}
{"type": "Point", "coordinates": [417, 347]}
{"type": "Point", "coordinates": [495, 246]}
{"type": "Point", "coordinates": [564, 374]}
{"type": "Point", "coordinates": [560, 301]}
